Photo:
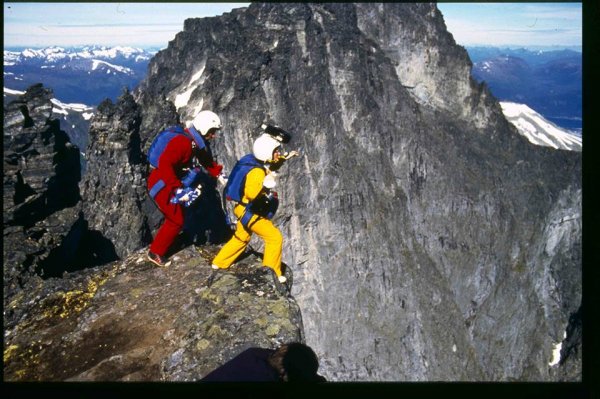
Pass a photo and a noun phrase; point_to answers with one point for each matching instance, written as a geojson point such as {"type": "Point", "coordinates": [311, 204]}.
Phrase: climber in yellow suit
{"type": "Point", "coordinates": [259, 181]}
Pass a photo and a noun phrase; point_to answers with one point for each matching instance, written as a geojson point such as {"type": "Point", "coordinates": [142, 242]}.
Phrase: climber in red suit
{"type": "Point", "coordinates": [165, 183]}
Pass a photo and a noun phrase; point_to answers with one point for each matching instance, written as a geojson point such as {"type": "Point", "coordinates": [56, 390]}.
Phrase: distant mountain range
{"type": "Point", "coordinates": [85, 75]}
{"type": "Point", "coordinates": [550, 82]}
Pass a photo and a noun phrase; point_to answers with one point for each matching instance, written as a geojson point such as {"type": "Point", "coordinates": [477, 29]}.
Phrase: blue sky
{"type": "Point", "coordinates": [107, 24]}
{"type": "Point", "coordinates": [514, 24]}
{"type": "Point", "coordinates": [155, 24]}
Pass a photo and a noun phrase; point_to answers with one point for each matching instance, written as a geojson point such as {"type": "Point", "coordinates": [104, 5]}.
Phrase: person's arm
{"type": "Point", "coordinates": [211, 166]}
{"type": "Point", "coordinates": [275, 166]}
{"type": "Point", "coordinates": [254, 183]}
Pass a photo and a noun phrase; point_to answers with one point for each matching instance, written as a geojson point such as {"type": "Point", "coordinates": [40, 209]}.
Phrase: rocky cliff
{"type": "Point", "coordinates": [428, 240]}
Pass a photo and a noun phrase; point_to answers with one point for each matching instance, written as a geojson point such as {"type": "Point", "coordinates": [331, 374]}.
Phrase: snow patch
{"type": "Point", "coordinates": [556, 352]}
{"type": "Point", "coordinates": [182, 99]}
{"type": "Point", "coordinates": [198, 108]}
{"type": "Point", "coordinates": [13, 92]}
{"type": "Point", "coordinates": [539, 130]}
{"type": "Point", "coordinates": [197, 75]}
{"type": "Point", "coordinates": [97, 63]}
{"type": "Point", "coordinates": [73, 106]}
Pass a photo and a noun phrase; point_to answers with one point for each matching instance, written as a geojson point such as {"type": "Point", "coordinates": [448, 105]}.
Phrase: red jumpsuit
{"type": "Point", "coordinates": [176, 156]}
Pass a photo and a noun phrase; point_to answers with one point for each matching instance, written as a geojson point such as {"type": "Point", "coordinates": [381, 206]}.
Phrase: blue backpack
{"type": "Point", "coordinates": [265, 205]}
{"type": "Point", "coordinates": [163, 138]}
{"type": "Point", "coordinates": [234, 189]}
{"type": "Point", "coordinates": [158, 146]}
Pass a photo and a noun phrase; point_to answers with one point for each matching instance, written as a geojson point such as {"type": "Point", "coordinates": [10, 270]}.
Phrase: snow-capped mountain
{"type": "Point", "coordinates": [548, 81]}
{"type": "Point", "coordinates": [539, 130]}
{"type": "Point", "coordinates": [78, 75]}
{"type": "Point", "coordinates": [59, 54]}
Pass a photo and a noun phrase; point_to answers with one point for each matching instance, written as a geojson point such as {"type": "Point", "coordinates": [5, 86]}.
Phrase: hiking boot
{"type": "Point", "coordinates": [215, 267]}
{"type": "Point", "coordinates": [158, 260]}
{"type": "Point", "coordinates": [282, 279]}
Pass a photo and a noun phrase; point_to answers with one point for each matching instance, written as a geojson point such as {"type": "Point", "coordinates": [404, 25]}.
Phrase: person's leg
{"type": "Point", "coordinates": [171, 226]}
{"type": "Point", "coordinates": [273, 243]}
{"type": "Point", "coordinates": [233, 248]}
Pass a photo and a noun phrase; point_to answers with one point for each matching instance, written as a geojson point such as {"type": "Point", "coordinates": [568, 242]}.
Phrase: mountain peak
{"type": "Point", "coordinates": [424, 234]}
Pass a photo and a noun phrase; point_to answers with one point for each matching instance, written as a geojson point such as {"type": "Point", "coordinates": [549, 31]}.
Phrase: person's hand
{"type": "Point", "coordinates": [186, 195]}
{"type": "Point", "coordinates": [291, 154]}
{"type": "Point", "coordinates": [214, 170]}
{"type": "Point", "coordinates": [222, 179]}
{"type": "Point", "coordinates": [190, 177]}
{"type": "Point", "coordinates": [269, 181]}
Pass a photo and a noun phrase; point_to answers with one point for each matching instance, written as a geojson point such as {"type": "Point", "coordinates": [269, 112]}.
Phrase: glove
{"type": "Point", "coordinates": [214, 170]}
{"type": "Point", "coordinates": [190, 177]}
{"type": "Point", "coordinates": [269, 180]}
{"type": "Point", "coordinates": [186, 195]}
{"type": "Point", "coordinates": [222, 179]}
{"type": "Point", "coordinates": [291, 154]}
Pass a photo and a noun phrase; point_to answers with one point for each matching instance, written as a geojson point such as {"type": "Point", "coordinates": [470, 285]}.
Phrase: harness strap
{"type": "Point", "coordinates": [155, 189]}
{"type": "Point", "coordinates": [247, 216]}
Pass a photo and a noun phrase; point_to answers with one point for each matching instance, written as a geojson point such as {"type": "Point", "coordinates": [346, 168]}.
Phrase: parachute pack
{"type": "Point", "coordinates": [265, 205]}
{"type": "Point", "coordinates": [158, 146]}
{"type": "Point", "coordinates": [234, 189]}
{"type": "Point", "coordinates": [163, 138]}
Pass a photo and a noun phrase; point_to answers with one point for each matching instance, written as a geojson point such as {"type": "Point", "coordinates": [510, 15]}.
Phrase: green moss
{"type": "Point", "coordinates": [211, 296]}
{"type": "Point", "coordinates": [10, 352]}
{"type": "Point", "coordinates": [280, 309]}
{"type": "Point", "coordinates": [203, 344]}
{"type": "Point", "coordinates": [262, 322]}
{"type": "Point", "coordinates": [273, 330]}
{"type": "Point", "coordinates": [520, 266]}
{"type": "Point", "coordinates": [215, 332]}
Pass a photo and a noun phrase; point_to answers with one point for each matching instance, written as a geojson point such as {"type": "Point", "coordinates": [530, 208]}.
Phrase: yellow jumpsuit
{"type": "Point", "coordinates": [259, 225]}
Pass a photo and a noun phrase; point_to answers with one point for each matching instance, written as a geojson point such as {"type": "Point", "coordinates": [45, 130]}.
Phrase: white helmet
{"type": "Point", "coordinates": [204, 121]}
{"type": "Point", "coordinates": [264, 146]}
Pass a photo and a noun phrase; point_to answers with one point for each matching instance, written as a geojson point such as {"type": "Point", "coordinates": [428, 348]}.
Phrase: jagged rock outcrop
{"type": "Point", "coordinates": [41, 173]}
{"type": "Point", "coordinates": [40, 163]}
{"type": "Point", "coordinates": [114, 192]}
{"type": "Point", "coordinates": [131, 321]}
{"type": "Point", "coordinates": [428, 240]}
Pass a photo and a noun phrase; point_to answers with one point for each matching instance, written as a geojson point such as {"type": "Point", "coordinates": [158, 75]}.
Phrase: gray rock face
{"type": "Point", "coordinates": [428, 240]}
{"type": "Point", "coordinates": [41, 172]}
{"type": "Point", "coordinates": [114, 191]}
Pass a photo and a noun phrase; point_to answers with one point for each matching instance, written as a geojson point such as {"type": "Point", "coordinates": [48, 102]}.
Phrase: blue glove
{"type": "Point", "coordinates": [186, 195]}
{"type": "Point", "coordinates": [190, 177]}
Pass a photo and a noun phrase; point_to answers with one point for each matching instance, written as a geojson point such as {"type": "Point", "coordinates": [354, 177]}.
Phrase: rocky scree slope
{"type": "Point", "coordinates": [428, 239]}
{"type": "Point", "coordinates": [131, 321]}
